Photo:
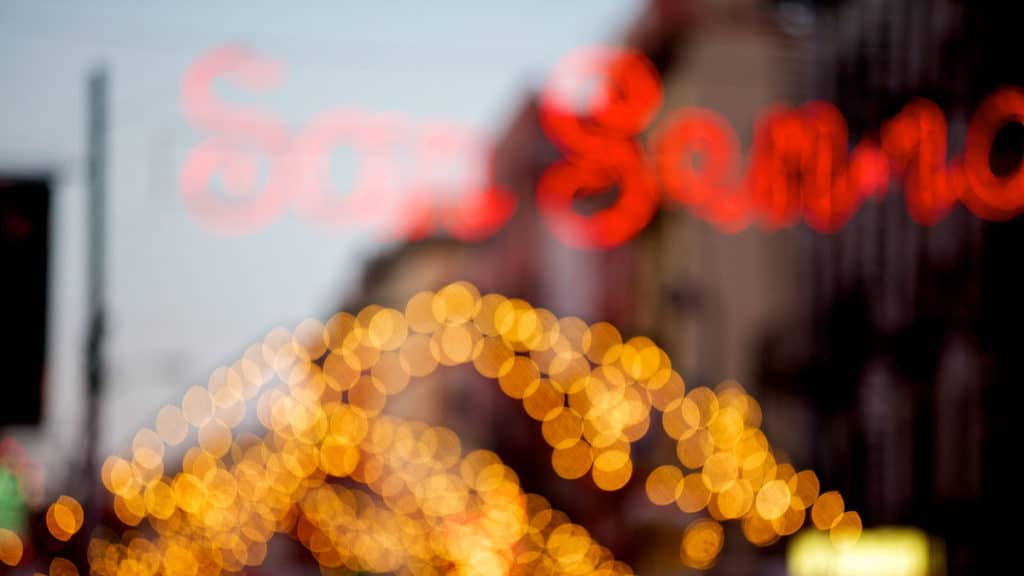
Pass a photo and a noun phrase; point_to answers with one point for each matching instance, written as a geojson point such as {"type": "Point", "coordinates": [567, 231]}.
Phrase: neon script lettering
{"type": "Point", "coordinates": [264, 170]}
{"type": "Point", "coordinates": [596, 107]}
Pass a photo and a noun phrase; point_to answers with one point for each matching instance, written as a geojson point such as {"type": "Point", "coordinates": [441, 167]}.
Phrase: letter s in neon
{"type": "Point", "coordinates": [599, 140]}
{"type": "Point", "coordinates": [238, 138]}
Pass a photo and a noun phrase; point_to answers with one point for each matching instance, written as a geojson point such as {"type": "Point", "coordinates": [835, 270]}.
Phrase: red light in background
{"type": "Point", "coordinates": [696, 154]}
{"type": "Point", "coordinates": [915, 142]}
{"type": "Point", "coordinates": [239, 138]}
{"type": "Point", "coordinates": [473, 207]}
{"type": "Point", "coordinates": [264, 169]}
{"type": "Point", "coordinates": [374, 196]}
{"type": "Point", "coordinates": [594, 108]}
{"type": "Point", "coordinates": [990, 196]}
{"type": "Point", "coordinates": [601, 146]}
{"type": "Point", "coordinates": [801, 168]}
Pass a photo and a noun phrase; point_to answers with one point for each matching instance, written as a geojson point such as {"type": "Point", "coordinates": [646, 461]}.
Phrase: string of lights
{"type": "Point", "coordinates": [368, 491]}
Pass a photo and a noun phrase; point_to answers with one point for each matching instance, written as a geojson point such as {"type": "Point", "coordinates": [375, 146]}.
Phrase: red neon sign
{"type": "Point", "coordinates": [296, 168]}
{"type": "Point", "coordinates": [595, 107]}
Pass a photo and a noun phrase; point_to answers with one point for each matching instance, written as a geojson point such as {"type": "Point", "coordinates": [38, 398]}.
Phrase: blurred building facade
{"type": "Point", "coordinates": [883, 354]}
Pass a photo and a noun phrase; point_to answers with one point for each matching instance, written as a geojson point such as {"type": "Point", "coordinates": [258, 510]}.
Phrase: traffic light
{"type": "Point", "coordinates": [24, 256]}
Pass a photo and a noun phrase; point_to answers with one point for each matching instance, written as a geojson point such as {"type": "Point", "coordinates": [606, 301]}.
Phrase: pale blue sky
{"type": "Point", "coordinates": [183, 300]}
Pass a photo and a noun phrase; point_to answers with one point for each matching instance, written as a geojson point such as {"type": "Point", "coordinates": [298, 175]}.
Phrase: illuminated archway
{"type": "Point", "coordinates": [371, 492]}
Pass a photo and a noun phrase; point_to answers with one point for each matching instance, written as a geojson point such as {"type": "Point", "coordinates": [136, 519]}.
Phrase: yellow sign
{"type": "Point", "coordinates": [880, 552]}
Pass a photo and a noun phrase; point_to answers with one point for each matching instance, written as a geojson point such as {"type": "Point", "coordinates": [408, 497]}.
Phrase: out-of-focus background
{"type": "Point", "coordinates": [883, 355]}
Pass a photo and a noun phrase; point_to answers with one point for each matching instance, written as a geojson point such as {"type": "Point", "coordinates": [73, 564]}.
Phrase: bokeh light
{"type": "Point", "coordinates": [412, 501]}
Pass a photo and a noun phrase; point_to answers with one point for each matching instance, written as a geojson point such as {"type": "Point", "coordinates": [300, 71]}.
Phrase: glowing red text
{"type": "Point", "coordinates": [596, 107]}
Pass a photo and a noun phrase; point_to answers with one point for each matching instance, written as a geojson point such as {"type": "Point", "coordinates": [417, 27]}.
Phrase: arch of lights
{"type": "Point", "coordinates": [413, 503]}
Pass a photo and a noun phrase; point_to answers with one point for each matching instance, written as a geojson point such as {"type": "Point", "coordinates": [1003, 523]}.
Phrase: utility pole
{"type": "Point", "coordinates": [98, 94]}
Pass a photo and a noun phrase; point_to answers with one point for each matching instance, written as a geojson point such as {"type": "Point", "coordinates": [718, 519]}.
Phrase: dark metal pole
{"type": "Point", "coordinates": [97, 271]}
